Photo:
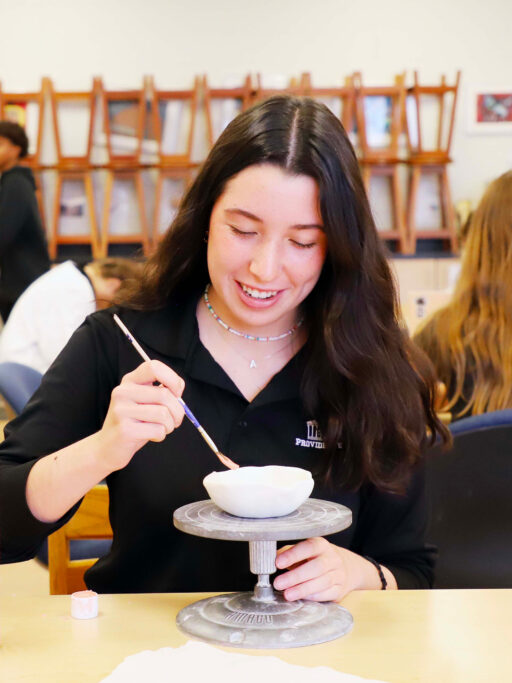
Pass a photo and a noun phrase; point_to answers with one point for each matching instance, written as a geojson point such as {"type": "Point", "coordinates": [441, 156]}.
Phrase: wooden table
{"type": "Point", "coordinates": [406, 636]}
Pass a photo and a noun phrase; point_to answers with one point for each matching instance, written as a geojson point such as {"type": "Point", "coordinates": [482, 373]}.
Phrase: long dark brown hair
{"type": "Point", "coordinates": [470, 340]}
{"type": "Point", "coordinates": [362, 381]}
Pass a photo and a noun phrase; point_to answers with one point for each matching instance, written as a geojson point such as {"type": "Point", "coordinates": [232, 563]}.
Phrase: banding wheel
{"type": "Point", "coordinates": [263, 618]}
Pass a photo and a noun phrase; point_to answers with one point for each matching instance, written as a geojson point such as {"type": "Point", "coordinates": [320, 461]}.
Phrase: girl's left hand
{"type": "Point", "coordinates": [319, 570]}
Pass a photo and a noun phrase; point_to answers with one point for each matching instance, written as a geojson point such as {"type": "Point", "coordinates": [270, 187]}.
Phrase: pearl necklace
{"type": "Point", "coordinates": [251, 337]}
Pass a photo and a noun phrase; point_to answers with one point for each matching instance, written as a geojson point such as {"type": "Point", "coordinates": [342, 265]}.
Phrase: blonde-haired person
{"type": "Point", "coordinates": [470, 340]}
{"type": "Point", "coordinates": [53, 306]}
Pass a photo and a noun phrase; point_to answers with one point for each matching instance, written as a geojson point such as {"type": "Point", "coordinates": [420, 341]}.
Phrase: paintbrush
{"type": "Point", "coordinates": [223, 458]}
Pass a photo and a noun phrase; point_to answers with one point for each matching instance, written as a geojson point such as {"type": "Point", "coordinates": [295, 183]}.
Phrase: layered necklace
{"type": "Point", "coordinates": [252, 361]}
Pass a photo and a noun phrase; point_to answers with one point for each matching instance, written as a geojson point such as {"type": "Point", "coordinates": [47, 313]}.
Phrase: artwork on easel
{"type": "Point", "coordinates": [73, 117]}
{"type": "Point", "coordinates": [123, 118]}
{"type": "Point", "coordinates": [490, 110]}
{"type": "Point", "coordinates": [175, 121]}
{"type": "Point", "coordinates": [73, 212]}
{"type": "Point", "coordinates": [378, 110]}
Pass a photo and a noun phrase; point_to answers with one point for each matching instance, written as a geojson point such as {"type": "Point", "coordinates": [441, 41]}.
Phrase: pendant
{"type": "Point", "coordinates": [252, 364]}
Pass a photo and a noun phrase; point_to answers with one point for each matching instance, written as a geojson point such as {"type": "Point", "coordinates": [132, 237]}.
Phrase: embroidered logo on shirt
{"type": "Point", "coordinates": [314, 436]}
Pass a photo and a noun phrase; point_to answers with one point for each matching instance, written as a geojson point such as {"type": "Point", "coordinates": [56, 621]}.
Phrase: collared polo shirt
{"type": "Point", "coordinates": [148, 553]}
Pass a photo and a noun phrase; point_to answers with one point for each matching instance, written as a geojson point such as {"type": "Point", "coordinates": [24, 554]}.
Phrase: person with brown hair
{"type": "Point", "coordinates": [270, 307]}
{"type": "Point", "coordinates": [469, 341]}
{"type": "Point", "coordinates": [23, 249]}
{"type": "Point", "coordinates": [53, 306]}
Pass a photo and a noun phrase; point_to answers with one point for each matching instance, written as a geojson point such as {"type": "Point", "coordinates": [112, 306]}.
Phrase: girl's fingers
{"type": "Point", "coordinates": [153, 414]}
{"type": "Point", "coordinates": [300, 552]}
{"type": "Point", "coordinates": [304, 572]}
{"type": "Point", "coordinates": [156, 371]}
{"type": "Point", "coordinates": [147, 431]}
{"type": "Point", "coordinates": [146, 394]}
{"type": "Point", "coordinates": [315, 586]}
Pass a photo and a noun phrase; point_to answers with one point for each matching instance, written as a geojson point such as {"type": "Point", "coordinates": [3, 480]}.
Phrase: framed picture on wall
{"type": "Point", "coordinates": [490, 110]}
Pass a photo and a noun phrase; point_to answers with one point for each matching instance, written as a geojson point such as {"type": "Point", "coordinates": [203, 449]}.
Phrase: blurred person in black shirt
{"type": "Point", "coordinates": [23, 249]}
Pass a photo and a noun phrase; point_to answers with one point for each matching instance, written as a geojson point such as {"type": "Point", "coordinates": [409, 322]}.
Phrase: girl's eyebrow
{"type": "Point", "coordinates": [251, 216]}
{"type": "Point", "coordinates": [243, 212]}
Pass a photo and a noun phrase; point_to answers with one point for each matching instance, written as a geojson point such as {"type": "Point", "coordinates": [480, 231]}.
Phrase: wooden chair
{"type": "Point", "coordinates": [379, 147]}
{"type": "Point", "coordinates": [431, 160]}
{"type": "Point", "coordinates": [341, 99]}
{"type": "Point", "coordinates": [175, 163]}
{"type": "Point", "coordinates": [21, 108]}
{"type": "Point", "coordinates": [260, 92]}
{"type": "Point", "coordinates": [74, 167]}
{"type": "Point", "coordinates": [91, 521]}
{"type": "Point", "coordinates": [238, 99]}
{"type": "Point", "coordinates": [124, 116]}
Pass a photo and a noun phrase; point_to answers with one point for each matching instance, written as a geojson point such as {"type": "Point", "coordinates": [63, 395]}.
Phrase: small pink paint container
{"type": "Point", "coordinates": [84, 605]}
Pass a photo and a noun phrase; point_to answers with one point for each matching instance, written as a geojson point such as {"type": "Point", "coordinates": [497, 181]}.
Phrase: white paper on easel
{"type": "Point", "coordinates": [175, 126]}
{"type": "Point", "coordinates": [201, 662]}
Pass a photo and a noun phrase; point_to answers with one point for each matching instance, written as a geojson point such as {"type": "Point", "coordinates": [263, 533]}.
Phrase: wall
{"type": "Point", "coordinates": [174, 39]}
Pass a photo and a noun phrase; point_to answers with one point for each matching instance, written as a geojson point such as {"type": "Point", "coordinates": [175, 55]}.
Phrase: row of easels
{"type": "Point", "coordinates": [132, 120]}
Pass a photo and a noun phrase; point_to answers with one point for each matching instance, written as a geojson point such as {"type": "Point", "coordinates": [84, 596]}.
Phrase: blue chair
{"type": "Point", "coordinates": [17, 384]}
{"type": "Point", "coordinates": [469, 491]}
{"type": "Point", "coordinates": [498, 418]}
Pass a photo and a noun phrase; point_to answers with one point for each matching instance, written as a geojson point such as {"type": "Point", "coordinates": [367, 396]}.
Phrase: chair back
{"type": "Point", "coordinates": [275, 85]}
{"type": "Point", "coordinates": [124, 118]}
{"type": "Point", "coordinates": [17, 384]}
{"type": "Point", "coordinates": [91, 521]}
{"type": "Point", "coordinates": [173, 117]}
{"type": "Point", "coordinates": [430, 120]}
{"type": "Point", "coordinates": [469, 491]}
{"type": "Point", "coordinates": [339, 98]}
{"type": "Point", "coordinates": [379, 117]}
{"type": "Point", "coordinates": [221, 105]}
{"type": "Point", "coordinates": [69, 109]}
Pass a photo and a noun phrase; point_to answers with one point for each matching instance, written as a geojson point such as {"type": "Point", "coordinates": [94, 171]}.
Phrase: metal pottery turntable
{"type": "Point", "coordinates": [263, 618]}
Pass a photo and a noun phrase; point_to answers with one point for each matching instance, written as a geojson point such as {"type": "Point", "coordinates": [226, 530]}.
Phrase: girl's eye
{"type": "Point", "coordinates": [301, 245]}
{"type": "Point", "coordinates": [241, 233]}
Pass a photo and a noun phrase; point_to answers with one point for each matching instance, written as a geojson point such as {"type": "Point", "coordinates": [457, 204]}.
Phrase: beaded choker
{"type": "Point", "coordinates": [242, 334]}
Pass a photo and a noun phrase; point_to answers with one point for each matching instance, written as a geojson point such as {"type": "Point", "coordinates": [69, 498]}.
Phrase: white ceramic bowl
{"type": "Point", "coordinates": [270, 491]}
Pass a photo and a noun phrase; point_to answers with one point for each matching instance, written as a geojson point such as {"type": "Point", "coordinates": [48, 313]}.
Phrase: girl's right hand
{"type": "Point", "coordinates": [140, 412]}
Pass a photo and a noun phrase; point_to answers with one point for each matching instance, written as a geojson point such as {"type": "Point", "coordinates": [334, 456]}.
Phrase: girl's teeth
{"type": "Point", "coordinates": [255, 294]}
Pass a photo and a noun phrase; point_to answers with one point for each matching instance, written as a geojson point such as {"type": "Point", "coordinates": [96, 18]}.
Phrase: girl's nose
{"type": "Point", "coordinates": [266, 262]}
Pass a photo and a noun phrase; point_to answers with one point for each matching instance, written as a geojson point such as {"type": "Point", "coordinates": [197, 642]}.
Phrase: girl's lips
{"type": "Point", "coordinates": [257, 303]}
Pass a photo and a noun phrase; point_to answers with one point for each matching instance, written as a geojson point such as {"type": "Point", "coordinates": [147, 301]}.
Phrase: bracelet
{"type": "Point", "coordinates": [377, 566]}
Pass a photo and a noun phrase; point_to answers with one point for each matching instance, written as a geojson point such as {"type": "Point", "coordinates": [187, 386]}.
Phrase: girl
{"type": "Point", "coordinates": [269, 306]}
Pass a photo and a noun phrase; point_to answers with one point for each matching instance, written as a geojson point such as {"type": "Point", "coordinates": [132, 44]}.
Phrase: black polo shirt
{"type": "Point", "coordinates": [148, 554]}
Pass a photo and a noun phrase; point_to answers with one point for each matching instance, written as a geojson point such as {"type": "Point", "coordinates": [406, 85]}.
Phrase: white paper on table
{"type": "Point", "coordinates": [201, 662]}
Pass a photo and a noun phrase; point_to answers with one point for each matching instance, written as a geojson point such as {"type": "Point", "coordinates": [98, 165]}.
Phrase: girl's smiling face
{"type": "Point", "coordinates": [266, 248]}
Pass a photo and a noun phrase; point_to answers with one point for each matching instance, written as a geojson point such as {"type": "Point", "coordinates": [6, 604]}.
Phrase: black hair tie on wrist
{"type": "Point", "coordinates": [377, 566]}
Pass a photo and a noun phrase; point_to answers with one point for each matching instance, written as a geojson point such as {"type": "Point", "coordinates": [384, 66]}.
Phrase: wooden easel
{"type": "Point", "coordinates": [344, 93]}
{"type": "Point", "coordinates": [74, 168]}
{"type": "Point", "coordinates": [32, 160]}
{"type": "Point", "coordinates": [241, 95]}
{"type": "Point", "coordinates": [384, 160]}
{"type": "Point", "coordinates": [124, 165]}
{"type": "Point", "coordinates": [174, 165]}
{"type": "Point", "coordinates": [433, 161]}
